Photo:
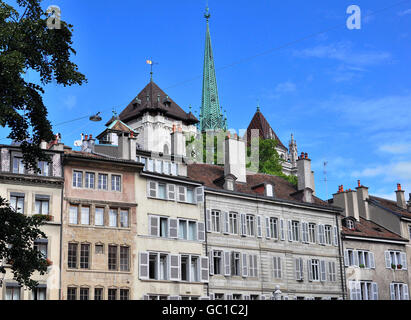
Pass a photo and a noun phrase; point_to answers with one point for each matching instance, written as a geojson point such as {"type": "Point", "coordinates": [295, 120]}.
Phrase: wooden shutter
{"type": "Point", "coordinates": [290, 231]}
{"type": "Point", "coordinates": [387, 259]}
{"type": "Point", "coordinates": [255, 266]}
{"type": "Point", "coordinates": [353, 292]}
{"type": "Point", "coordinates": [275, 268]}
{"type": "Point", "coordinates": [310, 270]}
{"type": "Point", "coordinates": [358, 290]}
{"type": "Point", "coordinates": [153, 226]}
{"type": "Point", "coordinates": [319, 239]}
{"type": "Point", "coordinates": [208, 220]}
{"type": "Point", "coordinates": [143, 265]}
{"type": "Point", "coordinates": [372, 260]}
{"type": "Point", "coordinates": [204, 269]}
{"type": "Point", "coordinates": [297, 269]}
{"type": "Point", "coordinates": [282, 231]}
{"type": "Point", "coordinates": [175, 267]}
{"type": "Point", "coordinates": [259, 226]}
{"type": "Point", "coordinates": [200, 231]}
{"type": "Point", "coordinates": [392, 291]}
{"type": "Point", "coordinates": [181, 193]}
{"type": "Point", "coordinates": [199, 194]}
{"type": "Point", "coordinates": [323, 271]}
{"type": "Point", "coordinates": [243, 224]}
{"type": "Point", "coordinates": [211, 261]}
{"type": "Point", "coordinates": [227, 263]}
{"type": "Point", "coordinates": [403, 258]}
{"type": "Point", "coordinates": [374, 291]}
{"type": "Point", "coordinates": [151, 189]}
{"type": "Point", "coordinates": [225, 222]}
{"type": "Point", "coordinates": [171, 192]}
{"type": "Point", "coordinates": [244, 265]}
{"type": "Point", "coordinates": [405, 291]}
{"type": "Point", "coordinates": [267, 228]}
{"type": "Point", "coordinates": [346, 258]}
{"type": "Point", "coordinates": [172, 228]}
{"type": "Point", "coordinates": [280, 267]}
{"type": "Point", "coordinates": [335, 236]}
{"type": "Point", "coordinates": [355, 258]}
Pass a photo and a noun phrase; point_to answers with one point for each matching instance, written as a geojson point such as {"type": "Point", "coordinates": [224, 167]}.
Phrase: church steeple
{"type": "Point", "coordinates": [211, 116]}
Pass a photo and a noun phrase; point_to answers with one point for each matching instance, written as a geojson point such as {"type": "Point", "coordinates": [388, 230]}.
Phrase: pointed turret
{"type": "Point", "coordinates": [211, 117]}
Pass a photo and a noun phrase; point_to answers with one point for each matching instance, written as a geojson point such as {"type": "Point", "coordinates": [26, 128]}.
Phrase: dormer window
{"type": "Point", "coordinates": [350, 224]}
{"type": "Point", "coordinates": [269, 190]}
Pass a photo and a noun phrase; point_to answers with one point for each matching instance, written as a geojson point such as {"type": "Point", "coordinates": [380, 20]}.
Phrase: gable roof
{"type": "Point", "coordinates": [116, 126]}
{"type": "Point", "coordinates": [153, 99]}
{"type": "Point", "coordinates": [389, 205]}
{"type": "Point", "coordinates": [265, 131]}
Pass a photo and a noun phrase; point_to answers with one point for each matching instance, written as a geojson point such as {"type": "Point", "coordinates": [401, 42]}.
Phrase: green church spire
{"type": "Point", "coordinates": [211, 116]}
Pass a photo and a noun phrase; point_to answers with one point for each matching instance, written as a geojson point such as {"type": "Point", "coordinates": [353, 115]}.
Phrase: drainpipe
{"type": "Point", "coordinates": [340, 250]}
{"type": "Point", "coordinates": [61, 227]}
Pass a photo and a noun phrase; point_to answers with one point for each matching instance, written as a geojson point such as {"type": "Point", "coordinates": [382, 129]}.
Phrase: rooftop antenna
{"type": "Point", "coordinates": [325, 178]}
{"type": "Point", "coordinates": [150, 62]}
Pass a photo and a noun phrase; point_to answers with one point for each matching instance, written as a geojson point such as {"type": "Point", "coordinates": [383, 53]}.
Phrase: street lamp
{"type": "Point", "coordinates": [277, 293]}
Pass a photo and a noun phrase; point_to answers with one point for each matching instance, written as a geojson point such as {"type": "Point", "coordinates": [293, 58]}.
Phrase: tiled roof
{"type": "Point", "coordinates": [368, 229]}
{"type": "Point", "coordinates": [265, 131]}
{"type": "Point", "coordinates": [97, 156]}
{"type": "Point", "coordinates": [153, 99]}
{"type": "Point", "coordinates": [389, 205]}
{"type": "Point", "coordinates": [211, 176]}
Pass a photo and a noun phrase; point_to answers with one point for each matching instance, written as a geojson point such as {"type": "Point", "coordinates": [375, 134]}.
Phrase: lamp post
{"type": "Point", "coordinates": [277, 293]}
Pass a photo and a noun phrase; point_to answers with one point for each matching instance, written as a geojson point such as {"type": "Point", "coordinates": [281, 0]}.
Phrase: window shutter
{"type": "Point", "coordinates": [403, 258]}
{"type": "Point", "coordinates": [323, 271]}
{"type": "Point", "coordinates": [171, 192]}
{"type": "Point", "coordinates": [372, 260]}
{"type": "Point", "coordinates": [301, 231]}
{"type": "Point", "coordinates": [243, 224]}
{"type": "Point", "coordinates": [392, 291]}
{"type": "Point", "coordinates": [275, 268]}
{"type": "Point", "coordinates": [227, 263]}
{"type": "Point", "coordinates": [267, 228]}
{"type": "Point", "coordinates": [346, 258]}
{"type": "Point", "coordinates": [204, 269]}
{"type": "Point", "coordinates": [143, 265]}
{"type": "Point", "coordinates": [302, 268]}
{"type": "Point", "coordinates": [319, 239]}
{"type": "Point", "coordinates": [244, 263]}
{"type": "Point", "coordinates": [310, 270]}
{"type": "Point", "coordinates": [358, 290]}
{"type": "Point", "coordinates": [152, 189]}
{"type": "Point", "coordinates": [304, 226]}
{"type": "Point", "coordinates": [153, 228]}
{"type": "Point", "coordinates": [387, 259]}
{"type": "Point", "coordinates": [297, 269]}
{"type": "Point", "coordinates": [255, 266]}
{"type": "Point", "coordinates": [200, 231]}
{"type": "Point", "coordinates": [259, 226]}
{"type": "Point", "coordinates": [172, 228]}
{"type": "Point", "coordinates": [355, 258]}
{"type": "Point", "coordinates": [335, 236]}
{"type": "Point", "coordinates": [211, 261]}
{"type": "Point", "coordinates": [353, 292]}
{"type": "Point", "coordinates": [200, 194]}
{"type": "Point", "coordinates": [225, 222]}
{"type": "Point", "coordinates": [405, 292]}
{"type": "Point", "coordinates": [290, 231]}
{"type": "Point", "coordinates": [229, 296]}
{"type": "Point", "coordinates": [279, 266]}
{"type": "Point", "coordinates": [374, 290]}
{"type": "Point", "coordinates": [175, 267]}
{"type": "Point", "coordinates": [322, 234]}
{"type": "Point", "coordinates": [282, 231]}
{"type": "Point", "coordinates": [181, 194]}
{"type": "Point", "coordinates": [150, 165]}
{"type": "Point", "coordinates": [208, 220]}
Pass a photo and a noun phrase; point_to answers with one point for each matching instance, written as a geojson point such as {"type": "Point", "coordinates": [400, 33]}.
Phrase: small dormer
{"type": "Point", "coordinates": [229, 182]}
{"type": "Point", "coordinates": [136, 102]}
{"type": "Point", "coordinates": [265, 188]}
{"type": "Point", "coordinates": [349, 222]}
{"type": "Point", "coordinates": [167, 101]}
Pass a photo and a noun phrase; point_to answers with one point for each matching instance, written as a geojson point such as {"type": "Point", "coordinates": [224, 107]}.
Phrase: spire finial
{"type": "Point", "coordinates": [150, 62]}
{"type": "Point", "coordinates": [258, 105]}
{"type": "Point", "coordinates": [207, 14]}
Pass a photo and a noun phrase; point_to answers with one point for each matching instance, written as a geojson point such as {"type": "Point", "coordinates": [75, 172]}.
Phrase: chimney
{"type": "Point", "coordinates": [400, 197]}
{"type": "Point", "coordinates": [127, 146]}
{"type": "Point", "coordinates": [409, 203]}
{"type": "Point", "coordinates": [88, 144]}
{"type": "Point", "coordinates": [57, 144]}
{"type": "Point", "coordinates": [304, 173]}
{"type": "Point", "coordinates": [362, 197]}
{"type": "Point", "coordinates": [178, 143]}
{"type": "Point", "coordinates": [348, 201]}
{"type": "Point", "coordinates": [234, 158]}
{"type": "Point", "coordinates": [43, 145]}
{"type": "Point", "coordinates": [308, 195]}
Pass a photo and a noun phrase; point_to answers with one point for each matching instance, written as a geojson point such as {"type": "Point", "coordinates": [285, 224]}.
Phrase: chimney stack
{"type": "Point", "coordinates": [57, 144]}
{"type": "Point", "coordinates": [409, 203]}
{"type": "Point", "coordinates": [362, 197]}
{"type": "Point", "coordinates": [348, 201]}
{"type": "Point", "coordinates": [400, 197]}
{"type": "Point", "coordinates": [127, 146]}
{"type": "Point", "coordinates": [304, 173]}
{"type": "Point", "coordinates": [88, 143]}
{"type": "Point", "coordinates": [234, 153]}
{"type": "Point", "coordinates": [178, 143]}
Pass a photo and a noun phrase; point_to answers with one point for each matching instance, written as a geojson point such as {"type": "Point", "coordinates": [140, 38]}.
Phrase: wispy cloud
{"type": "Point", "coordinates": [405, 12]}
{"type": "Point", "coordinates": [70, 102]}
{"type": "Point", "coordinates": [285, 87]}
{"type": "Point", "coordinates": [399, 148]}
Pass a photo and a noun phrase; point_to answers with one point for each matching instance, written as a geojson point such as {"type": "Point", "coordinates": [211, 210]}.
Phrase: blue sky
{"type": "Point", "coordinates": [344, 94]}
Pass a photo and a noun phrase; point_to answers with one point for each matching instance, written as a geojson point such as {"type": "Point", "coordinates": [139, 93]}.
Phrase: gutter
{"type": "Point", "coordinates": [206, 244]}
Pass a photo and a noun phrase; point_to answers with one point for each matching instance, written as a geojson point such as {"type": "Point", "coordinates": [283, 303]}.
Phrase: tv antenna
{"type": "Point", "coordinates": [325, 178]}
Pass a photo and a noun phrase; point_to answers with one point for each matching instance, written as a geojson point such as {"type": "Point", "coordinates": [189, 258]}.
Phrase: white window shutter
{"type": "Point", "coordinates": [208, 220]}
{"type": "Point", "coordinates": [243, 224]}
{"type": "Point", "coordinates": [387, 259]}
{"type": "Point", "coordinates": [244, 265]}
{"type": "Point", "coordinates": [175, 267]}
{"type": "Point", "coordinates": [255, 266]}
{"type": "Point", "coordinates": [372, 260]}
{"type": "Point", "coordinates": [323, 271]}
{"type": "Point", "coordinates": [171, 192]}
{"type": "Point", "coordinates": [358, 290]}
{"type": "Point", "coordinates": [143, 266]}
{"type": "Point", "coordinates": [200, 231]}
{"type": "Point", "coordinates": [297, 269]}
{"type": "Point", "coordinates": [181, 193]}
{"type": "Point", "coordinates": [211, 261]}
{"type": "Point", "coordinates": [227, 263]}
{"type": "Point", "coordinates": [335, 236]}
{"type": "Point", "coordinates": [172, 228]}
{"type": "Point", "coordinates": [267, 228]}
{"type": "Point", "coordinates": [153, 226]}
{"type": "Point", "coordinates": [280, 266]}
{"type": "Point", "coordinates": [282, 231]}
{"type": "Point", "coordinates": [199, 194]}
{"type": "Point", "coordinates": [319, 238]}
{"type": "Point", "coordinates": [225, 222]}
{"type": "Point", "coordinates": [353, 292]}
{"type": "Point", "coordinates": [290, 231]}
{"type": "Point", "coordinates": [346, 258]}
{"type": "Point", "coordinates": [310, 270]}
{"type": "Point", "coordinates": [355, 258]}
{"type": "Point", "coordinates": [403, 258]}
{"type": "Point", "coordinates": [374, 290]}
{"type": "Point", "coordinates": [405, 292]}
{"type": "Point", "coordinates": [204, 269]}
{"type": "Point", "coordinates": [151, 189]}
{"type": "Point", "coordinates": [392, 291]}
{"type": "Point", "coordinates": [305, 231]}
{"type": "Point", "coordinates": [302, 268]}
{"type": "Point", "coordinates": [259, 226]}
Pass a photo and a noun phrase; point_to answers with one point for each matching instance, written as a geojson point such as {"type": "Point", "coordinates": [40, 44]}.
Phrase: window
{"type": "Point", "coordinates": [181, 193]}
{"type": "Point", "coordinates": [73, 212]}
{"type": "Point", "coordinates": [44, 168]}
{"type": "Point", "coordinates": [295, 230]}
{"type": "Point", "coordinates": [85, 215]}
{"type": "Point", "coordinates": [274, 228]}
{"type": "Point", "coordinates": [395, 260]}
{"type": "Point", "coordinates": [115, 183]}
{"type": "Point", "coordinates": [192, 230]}
{"type": "Point", "coordinates": [153, 266]}
{"type": "Point", "coordinates": [84, 256]}
{"type": "Point", "coordinates": [112, 218]}
{"type": "Point", "coordinates": [332, 276]}
{"type": "Point", "coordinates": [364, 259]}
{"type": "Point", "coordinates": [78, 179]}
{"type": "Point", "coordinates": [163, 227]}
{"type": "Point", "coordinates": [327, 229]}
{"type": "Point", "coordinates": [41, 206]}
{"type": "Point", "coordinates": [237, 296]}
{"type": "Point", "coordinates": [18, 165]}
{"type": "Point", "coordinates": [399, 291]}
{"type": "Point", "coordinates": [314, 269]}
{"type": "Point", "coordinates": [250, 225]}
{"type": "Point", "coordinates": [112, 257]}
{"type": "Point", "coordinates": [236, 264]}
{"type": "Point", "coordinates": [17, 203]}
{"type": "Point", "coordinates": [99, 217]}
{"type": "Point", "coordinates": [12, 293]}
{"type": "Point", "coordinates": [42, 247]}
{"type": "Point", "coordinates": [163, 267]}
{"type": "Point", "coordinates": [350, 224]}
{"type": "Point", "coordinates": [190, 195]}
{"type": "Point", "coordinates": [252, 266]}
{"type": "Point", "coordinates": [311, 233]}
{"type": "Point", "coordinates": [219, 296]}
{"type": "Point", "coordinates": [72, 255]}
{"type": "Point", "coordinates": [89, 181]}
{"type": "Point", "coordinates": [185, 268]}
{"type": "Point", "coordinates": [217, 261]}
{"type": "Point", "coordinates": [269, 190]}
{"type": "Point", "coordinates": [84, 293]}
{"type": "Point", "coordinates": [124, 258]}
{"type": "Point", "coordinates": [99, 249]}
{"type": "Point", "coordinates": [194, 269]}
{"type": "Point", "coordinates": [102, 181]}
{"type": "Point", "coordinates": [98, 293]}
{"type": "Point", "coordinates": [187, 229]}
{"type": "Point", "coordinates": [182, 229]}
{"type": "Point", "coordinates": [124, 294]}
{"type": "Point", "coordinates": [215, 221]}
{"type": "Point", "coordinates": [71, 293]}
{"type": "Point", "coordinates": [112, 294]}
{"type": "Point", "coordinates": [277, 267]}
{"type": "Point", "coordinates": [162, 191]}
{"type": "Point", "coordinates": [39, 293]}
{"type": "Point", "coordinates": [124, 218]}
{"type": "Point", "coordinates": [233, 223]}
